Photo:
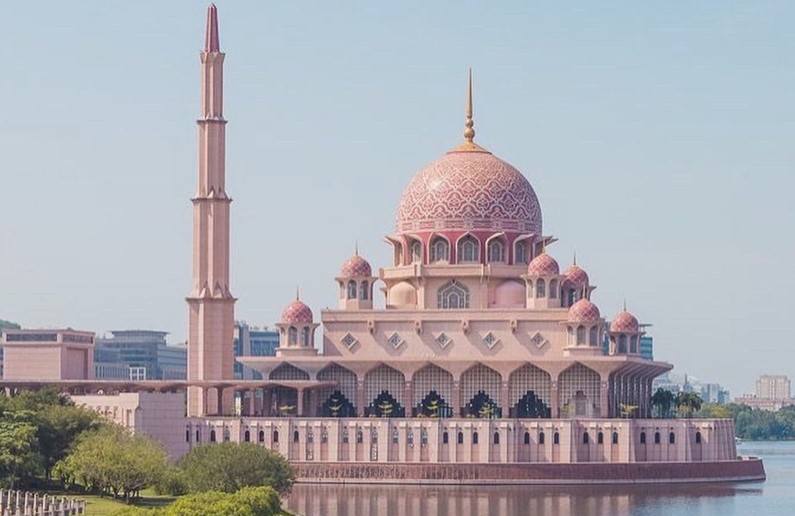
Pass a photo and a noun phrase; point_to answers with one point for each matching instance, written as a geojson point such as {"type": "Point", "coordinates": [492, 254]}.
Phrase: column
{"type": "Point", "coordinates": [267, 402]}
{"type": "Point", "coordinates": [408, 397]}
{"type": "Point", "coordinates": [555, 398]}
{"type": "Point", "coordinates": [252, 402]}
{"type": "Point", "coordinates": [360, 401]}
{"type": "Point", "coordinates": [505, 399]}
{"type": "Point", "coordinates": [299, 409]}
{"type": "Point", "coordinates": [218, 408]}
{"type": "Point", "coordinates": [456, 401]}
{"type": "Point", "coordinates": [603, 392]}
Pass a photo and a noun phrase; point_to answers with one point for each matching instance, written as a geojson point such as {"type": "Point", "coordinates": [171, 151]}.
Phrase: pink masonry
{"type": "Point", "coordinates": [211, 304]}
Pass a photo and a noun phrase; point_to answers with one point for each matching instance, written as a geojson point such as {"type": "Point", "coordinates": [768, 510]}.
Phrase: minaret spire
{"type": "Point", "coordinates": [211, 43]}
{"type": "Point", "coordinates": [211, 303]}
{"type": "Point", "coordinates": [469, 144]}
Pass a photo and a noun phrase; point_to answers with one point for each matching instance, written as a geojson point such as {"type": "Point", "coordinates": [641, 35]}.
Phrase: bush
{"type": "Point", "coordinates": [173, 483]}
{"type": "Point", "coordinates": [251, 501]}
{"type": "Point", "coordinates": [228, 467]}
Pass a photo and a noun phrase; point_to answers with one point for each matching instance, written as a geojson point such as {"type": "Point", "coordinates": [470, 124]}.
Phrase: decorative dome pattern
{"type": "Point", "coordinates": [469, 190]}
{"type": "Point", "coordinates": [356, 267]}
{"type": "Point", "coordinates": [584, 311]}
{"type": "Point", "coordinates": [543, 265]}
{"type": "Point", "coordinates": [576, 275]}
{"type": "Point", "coordinates": [625, 322]}
{"type": "Point", "coordinates": [297, 312]}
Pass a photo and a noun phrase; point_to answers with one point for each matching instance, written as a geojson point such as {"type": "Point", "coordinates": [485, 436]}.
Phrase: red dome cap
{"type": "Point", "coordinates": [356, 267]}
{"type": "Point", "coordinates": [625, 322]}
{"type": "Point", "coordinates": [583, 311]}
{"type": "Point", "coordinates": [576, 276]}
{"type": "Point", "coordinates": [297, 312]}
{"type": "Point", "coordinates": [543, 265]}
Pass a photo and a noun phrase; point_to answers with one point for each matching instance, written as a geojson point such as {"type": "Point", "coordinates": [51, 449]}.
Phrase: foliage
{"type": "Point", "coordinates": [228, 467]}
{"type": "Point", "coordinates": [249, 501]}
{"type": "Point", "coordinates": [662, 402]}
{"type": "Point", "coordinates": [111, 460]}
{"type": "Point", "coordinates": [18, 457]}
{"type": "Point", "coordinates": [687, 403]}
{"type": "Point", "coordinates": [755, 424]}
{"type": "Point", "coordinates": [173, 482]}
{"type": "Point", "coordinates": [8, 325]}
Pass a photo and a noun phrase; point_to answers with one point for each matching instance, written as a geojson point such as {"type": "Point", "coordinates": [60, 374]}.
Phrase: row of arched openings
{"type": "Point", "coordinates": [467, 250]}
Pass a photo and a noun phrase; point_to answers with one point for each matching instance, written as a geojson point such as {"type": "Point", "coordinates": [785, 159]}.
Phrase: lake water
{"type": "Point", "coordinates": [773, 497]}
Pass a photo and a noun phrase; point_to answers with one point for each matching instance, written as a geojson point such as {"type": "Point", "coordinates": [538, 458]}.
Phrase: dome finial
{"type": "Point", "coordinates": [469, 132]}
{"type": "Point", "coordinates": [297, 293]}
{"type": "Point", "coordinates": [625, 304]}
{"type": "Point", "coordinates": [356, 248]}
{"type": "Point", "coordinates": [575, 257]}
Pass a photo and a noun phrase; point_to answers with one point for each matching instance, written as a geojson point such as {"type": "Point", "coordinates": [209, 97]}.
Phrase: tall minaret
{"type": "Point", "coordinates": [211, 304]}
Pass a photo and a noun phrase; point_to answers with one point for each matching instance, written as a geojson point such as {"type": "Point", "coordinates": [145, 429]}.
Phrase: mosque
{"type": "Point", "coordinates": [485, 365]}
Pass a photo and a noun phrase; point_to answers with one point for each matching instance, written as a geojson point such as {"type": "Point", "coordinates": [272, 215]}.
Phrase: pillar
{"type": "Point", "coordinates": [505, 399]}
{"type": "Point", "coordinates": [360, 401]}
{"type": "Point", "coordinates": [555, 398]}
{"type": "Point", "coordinates": [408, 397]}
{"type": "Point", "coordinates": [603, 401]}
{"type": "Point", "coordinates": [456, 401]}
{"type": "Point", "coordinates": [299, 409]}
{"type": "Point", "coordinates": [252, 402]}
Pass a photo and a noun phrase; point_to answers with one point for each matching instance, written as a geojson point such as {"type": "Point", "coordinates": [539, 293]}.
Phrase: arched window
{"type": "Point", "coordinates": [496, 251]}
{"type": "Point", "coordinates": [622, 343]}
{"type": "Point", "coordinates": [698, 438]}
{"type": "Point", "coordinates": [553, 289]}
{"type": "Point", "coordinates": [364, 290]}
{"type": "Point", "coordinates": [580, 335]}
{"type": "Point", "coordinates": [600, 438]}
{"type": "Point", "coordinates": [198, 436]}
{"type": "Point", "coordinates": [453, 295]}
{"type": "Point", "coordinates": [527, 437]}
{"type": "Point", "coordinates": [586, 439]}
{"type": "Point", "coordinates": [656, 437]}
{"type": "Point", "coordinates": [292, 335]}
{"type": "Point", "coordinates": [643, 438]}
{"type": "Point", "coordinates": [593, 338]}
{"type": "Point", "coordinates": [541, 438]}
{"type": "Point", "coordinates": [416, 252]}
{"type": "Point", "coordinates": [440, 250]}
{"type": "Point", "coordinates": [520, 253]}
{"type": "Point", "coordinates": [445, 438]}
{"type": "Point", "coordinates": [305, 337]}
{"type": "Point", "coordinates": [261, 436]}
{"type": "Point", "coordinates": [395, 436]}
{"type": "Point", "coordinates": [296, 436]}
{"type": "Point", "coordinates": [360, 437]}
{"type": "Point", "coordinates": [187, 436]}
{"type": "Point", "coordinates": [212, 436]}
{"type": "Point", "coordinates": [556, 438]}
{"type": "Point", "coordinates": [633, 344]}
{"type": "Point", "coordinates": [541, 288]}
{"type": "Point", "coordinates": [351, 289]}
{"type": "Point", "coordinates": [496, 438]}
{"type": "Point", "coordinates": [468, 249]}
{"type": "Point", "coordinates": [247, 436]}
{"type": "Point", "coordinates": [615, 437]}
{"type": "Point", "coordinates": [672, 438]}
{"type": "Point", "coordinates": [474, 438]}
{"type": "Point", "coordinates": [460, 437]}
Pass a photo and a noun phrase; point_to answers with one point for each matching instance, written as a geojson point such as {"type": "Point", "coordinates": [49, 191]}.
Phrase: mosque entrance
{"type": "Point", "coordinates": [433, 405]}
{"type": "Point", "coordinates": [482, 406]}
{"type": "Point", "coordinates": [385, 405]}
{"type": "Point", "coordinates": [530, 406]}
{"type": "Point", "coordinates": [337, 405]}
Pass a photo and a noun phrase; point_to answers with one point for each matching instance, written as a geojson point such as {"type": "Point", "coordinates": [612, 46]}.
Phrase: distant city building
{"type": "Point", "coordinates": [710, 392]}
{"type": "Point", "coordinates": [251, 341]}
{"type": "Point", "coordinates": [773, 392]}
{"type": "Point", "coordinates": [48, 354]}
{"type": "Point", "coordinates": [143, 355]}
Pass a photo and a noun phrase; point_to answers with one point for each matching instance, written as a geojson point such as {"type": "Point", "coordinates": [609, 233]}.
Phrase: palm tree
{"type": "Point", "coordinates": [687, 403]}
{"type": "Point", "coordinates": [663, 399]}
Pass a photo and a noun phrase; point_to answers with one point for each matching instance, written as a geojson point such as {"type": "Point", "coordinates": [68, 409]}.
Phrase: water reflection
{"type": "Point", "coordinates": [349, 500]}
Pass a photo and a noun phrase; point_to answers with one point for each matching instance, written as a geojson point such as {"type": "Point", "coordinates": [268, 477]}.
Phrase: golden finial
{"type": "Point", "coordinates": [469, 132]}
{"type": "Point", "coordinates": [469, 144]}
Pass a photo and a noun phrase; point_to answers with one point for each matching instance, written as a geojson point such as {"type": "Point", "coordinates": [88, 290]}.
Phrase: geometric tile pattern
{"type": "Point", "coordinates": [349, 340]}
{"type": "Point", "coordinates": [297, 312]}
{"type": "Point", "coordinates": [538, 340]}
{"type": "Point", "coordinates": [490, 340]}
{"type": "Point", "coordinates": [356, 267]}
{"type": "Point", "coordinates": [583, 311]}
{"type": "Point", "coordinates": [472, 189]}
{"type": "Point", "coordinates": [543, 265]}
{"type": "Point", "coordinates": [443, 340]}
{"type": "Point", "coordinates": [624, 322]}
{"type": "Point", "coordinates": [576, 276]}
{"type": "Point", "coordinates": [395, 340]}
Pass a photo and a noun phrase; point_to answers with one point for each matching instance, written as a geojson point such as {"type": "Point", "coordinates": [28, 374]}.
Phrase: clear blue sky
{"type": "Point", "coordinates": [658, 136]}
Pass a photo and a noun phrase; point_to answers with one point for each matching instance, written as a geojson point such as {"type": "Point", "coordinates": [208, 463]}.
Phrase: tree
{"type": "Point", "coordinates": [18, 457]}
{"type": "Point", "coordinates": [688, 403]}
{"type": "Point", "coordinates": [663, 400]}
{"type": "Point", "coordinates": [227, 467]}
{"type": "Point", "coordinates": [111, 460]}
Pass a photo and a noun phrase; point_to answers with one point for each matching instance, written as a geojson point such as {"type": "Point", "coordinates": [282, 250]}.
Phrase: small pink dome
{"type": "Point", "coordinates": [576, 276]}
{"type": "Point", "coordinates": [543, 265]}
{"type": "Point", "coordinates": [297, 312]}
{"type": "Point", "coordinates": [583, 311]}
{"type": "Point", "coordinates": [356, 267]}
{"type": "Point", "coordinates": [625, 322]}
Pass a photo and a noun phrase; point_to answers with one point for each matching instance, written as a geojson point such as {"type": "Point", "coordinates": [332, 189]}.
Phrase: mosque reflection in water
{"type": "Point", "coordinates": [391, 500]}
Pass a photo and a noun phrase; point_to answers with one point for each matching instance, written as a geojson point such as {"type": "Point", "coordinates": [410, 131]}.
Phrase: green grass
{"type": "Point", "coordinates": [104, 505]}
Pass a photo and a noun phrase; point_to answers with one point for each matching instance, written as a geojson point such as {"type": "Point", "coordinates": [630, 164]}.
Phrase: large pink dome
{"type": "Point", "coordinates": [543, 265]}
{"type": "Point", "coordinates": [297, 312]}
{"type": "Point", "coordinates": [577, 276]}
{"type": "Point", "coordinates": [469, 190]}
{"type": "Point", "coordinates": [584, 311]}
{"type": "Point", "coordinates": [625, 322]}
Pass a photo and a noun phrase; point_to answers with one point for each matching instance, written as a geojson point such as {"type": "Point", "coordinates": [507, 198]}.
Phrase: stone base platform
{"type": "Point", "coordinates": [741, 470]}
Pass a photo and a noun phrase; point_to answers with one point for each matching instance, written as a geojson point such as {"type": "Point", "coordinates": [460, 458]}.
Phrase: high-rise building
{"type": "Point", "coordinates": [251, 341]}
{"type": "Point", "coordinates": [145, 350]}
{"type": "Point", "coordinates": [773, 387]}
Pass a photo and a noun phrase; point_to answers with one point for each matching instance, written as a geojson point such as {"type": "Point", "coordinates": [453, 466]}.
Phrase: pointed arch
{"type": "Point", "coordinates": [351, 289]}
{"type": "Point", "coordinates": [480, 390]}
{"type": "Point", "coordinates": [288, 371]}
{"type": "Point", "coordinates": [452, 295]}
{"type": "Point", "coordinates": [580, 388]}
{"type": "Point", "coordinates": [439, 249]}
{"type": "Point", "coordinates": [383, 388]}
{"type": "Point", "coordinates": [496, 249]}
{"type": "Point", "coordinates": [530, 392]}
{"type": "Point", "coordinates": [468, 249]}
